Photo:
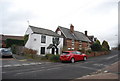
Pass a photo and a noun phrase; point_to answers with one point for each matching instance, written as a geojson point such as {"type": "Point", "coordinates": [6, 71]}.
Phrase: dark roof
{"type": "Point", "coordinates": [50, 46]}
{"type": "Point", "coordinates": [76, 35]}
{"type": "Point", "coordinates": [4, 37]}
{"type": "Point", "coordinates": [39, 30]}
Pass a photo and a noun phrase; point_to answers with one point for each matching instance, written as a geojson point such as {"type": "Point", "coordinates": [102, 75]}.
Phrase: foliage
{"type": "Point", "coordinates": [48, 56]}
{"type": "Point", "coordinates": [82, 50]}
{"type": "Point", "coordinates": [26, 38]}
{"type": "Point", "coordinates": [10, 42]}
{"type": "Point", "coordinates": [89, 51]}
{"type": "Point", "coordinates": [30, 52]}
{"type": "Point", "coordinates": [13, 48]}
{"type": "Point", "coordinates": [96, 47]}
{"type": "Point", "coordinates": [105, 45]}
{"type": "Point", "coordinates": [53, 58]}
{"type": "Point", "coordinates": [56, 41]}
{"type": "Point", "coordinates": [97, 41]}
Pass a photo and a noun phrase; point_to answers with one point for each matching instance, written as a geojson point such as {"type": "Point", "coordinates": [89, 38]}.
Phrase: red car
{"type": "Point", "coordinates": [72, 56]}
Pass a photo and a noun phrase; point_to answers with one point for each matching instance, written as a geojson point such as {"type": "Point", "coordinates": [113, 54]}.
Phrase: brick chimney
{"type": "Point", "coordinates": [86, 33]}
{"type": "Point", "coordinates": [72, 28]}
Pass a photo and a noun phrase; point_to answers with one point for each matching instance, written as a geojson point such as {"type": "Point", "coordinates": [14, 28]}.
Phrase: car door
{"type": "Point", "coordinates": [75, 55]}
{"type": "Point", "coordinates": [79, 55]}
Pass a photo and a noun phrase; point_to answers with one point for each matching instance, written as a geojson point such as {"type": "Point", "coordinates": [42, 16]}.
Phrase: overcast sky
{"type": "Point", "coordinates": [98, 17]}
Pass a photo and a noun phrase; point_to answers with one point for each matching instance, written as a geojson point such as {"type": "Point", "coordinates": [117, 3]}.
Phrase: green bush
{"type": "Point", "coordinates": [55, 58]}
{"type": "Point", "coordinates": [10, 42]}
{"type": "Point", "coordinates": [26, 38]}
{"type": "Point", "coordinates": [30, 53]}
{"type": "Point", "coordinates": [48, 56]}
{"type": "Point", "coordinates": [43, 58]}
{"type": "Point", "coordinates": [96, 47]}
{"type": "Point", "coordinates": [104, 49]}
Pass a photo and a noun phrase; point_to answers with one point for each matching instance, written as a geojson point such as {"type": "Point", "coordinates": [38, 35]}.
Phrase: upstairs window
{"type": "Point", "coordinates": [43, 39]}
{"type": "Point", "coordinates": [73, 42]}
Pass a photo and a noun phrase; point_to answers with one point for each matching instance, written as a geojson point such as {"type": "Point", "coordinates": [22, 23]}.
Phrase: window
{"type": "Point", "coordinates": [42, 50]}
{"type": "Point", "coordinates": [74, 52]}
{"type": "Point", "coordinates": [72, 42]}
{"type": "Point", "coordinates": [79, 53]}
{"type": "Point", "coordinates": [43, 39]}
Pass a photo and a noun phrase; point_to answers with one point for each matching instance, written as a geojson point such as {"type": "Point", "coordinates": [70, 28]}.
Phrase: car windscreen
{"type": "Point", "coordinates": [65, 53]}
{"type": "Point", "coordinates": [6, 52]}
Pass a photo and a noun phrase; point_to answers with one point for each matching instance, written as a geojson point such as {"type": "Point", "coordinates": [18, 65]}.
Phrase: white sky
{"type": "Point", "coordinates": [98, 17]}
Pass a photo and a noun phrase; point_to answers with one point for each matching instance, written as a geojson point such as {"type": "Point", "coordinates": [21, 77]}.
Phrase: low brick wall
{"type": "Point", "coordinates": [93, 54]}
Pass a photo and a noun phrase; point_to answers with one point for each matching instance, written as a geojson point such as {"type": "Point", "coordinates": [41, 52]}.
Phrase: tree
{"type": "Point", "coordinates": [26, 38]}
{"type": "Point", "coordinates": [97, 41]}
{"type": "Point", "coordinates": [105, 45]}
{"type": "Point", "coordinates": [56, 42]}
{"type": "Point", "coordinates": [10, 42]}
{"type": "Point", "coordinates": [96, 47]}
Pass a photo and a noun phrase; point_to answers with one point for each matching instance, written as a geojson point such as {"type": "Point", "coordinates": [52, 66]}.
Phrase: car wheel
{"type": "Point", "coordinates": [62, 61]}
{"type": "Point", "coordinates": [72, 60]}
{"type": "Point", "coordinates": [84, 58]}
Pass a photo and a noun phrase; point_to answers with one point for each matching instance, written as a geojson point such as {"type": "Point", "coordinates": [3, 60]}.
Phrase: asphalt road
{"type": "Point", "coordinates": [47, 70]}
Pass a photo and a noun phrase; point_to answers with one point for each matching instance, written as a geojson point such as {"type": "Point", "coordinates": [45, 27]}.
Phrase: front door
{"type": "Point", "coordinates": [53, 50]}
{"type": "Point", "coordinates": [42, 50]}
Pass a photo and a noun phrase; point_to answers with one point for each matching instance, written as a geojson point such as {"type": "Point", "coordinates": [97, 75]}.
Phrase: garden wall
{"type": "Point", "coordinates": [93, 54]}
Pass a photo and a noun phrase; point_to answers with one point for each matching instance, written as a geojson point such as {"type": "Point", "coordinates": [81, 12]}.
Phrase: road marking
{"type": "Point", "coordinates": [32, 63]}
{"type": "Point", "coordinates": [25, 64]}
{"type": "Point", "coordinates": [42, 67]}
{"type": "Point", "coordinates": [17, 65]}
{"type": "Point", "coordinates": [88, 68]}
{"type": "Point", "coordinates": [23, 60]}
{"type": "Point", "coordinates": [20, 64]}
{"type": "Point", "coordinates": [53, 68]}
{"type": "Point", "coordinates": [7, 65]}
{"type": "Point", "coordinates": [36, 71]}
{"type": "Point", "coordinates": [111, 57]}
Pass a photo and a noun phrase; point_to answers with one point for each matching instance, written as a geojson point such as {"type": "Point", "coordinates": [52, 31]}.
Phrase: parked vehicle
{"type": "Point", "coordinates": [72, 56]}
{"type": "Point", "coordinates": [5, 52]}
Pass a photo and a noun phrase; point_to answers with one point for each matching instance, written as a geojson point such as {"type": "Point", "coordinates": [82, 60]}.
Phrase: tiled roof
{"type": "Point", "coordinates": [76, 35]}
{"type": "Point", "coordinates": [4, 37]}
{"type": "Point", "coordinates": [39, 30]}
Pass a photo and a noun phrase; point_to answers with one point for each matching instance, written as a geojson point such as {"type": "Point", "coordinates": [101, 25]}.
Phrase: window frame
{"type": "Point", "coordinates": [43, 39]}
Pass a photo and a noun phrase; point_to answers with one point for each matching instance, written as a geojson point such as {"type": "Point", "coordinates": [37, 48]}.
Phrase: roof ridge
{"type": "Point", "coordinates": [40, 28]}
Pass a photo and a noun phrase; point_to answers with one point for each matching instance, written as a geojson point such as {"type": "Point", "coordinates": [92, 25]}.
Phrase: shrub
{"type": "Point", "coordinates": [10, 42]}
{"type": "Point", "coordinates": [26, 38]}
{"type": "Point", "coordinates": [104, 49]}
{"type": "Point", "coordinates": [29, 52]}
{"type": "Point", "coordinates": [48, 56]}
{"type": "Point", "coordinates": [96, 47]}
{"type": "Point", "coordinates": [105, 45]}
{"type": "Point", "coordinates": [55, 58]}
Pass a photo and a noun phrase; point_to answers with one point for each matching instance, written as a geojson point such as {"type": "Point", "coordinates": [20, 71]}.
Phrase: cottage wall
{"type": "Point", "coordinates": [34, 42]}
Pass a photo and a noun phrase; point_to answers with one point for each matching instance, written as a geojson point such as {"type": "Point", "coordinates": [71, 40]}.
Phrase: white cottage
{"type": "Point", "coordinates": [44, 41]}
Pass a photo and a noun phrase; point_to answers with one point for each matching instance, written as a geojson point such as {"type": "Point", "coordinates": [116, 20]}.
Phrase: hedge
{"type": "Point", "coordinates": [10, 42]}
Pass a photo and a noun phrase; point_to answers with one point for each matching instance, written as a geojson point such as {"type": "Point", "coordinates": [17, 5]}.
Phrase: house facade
{"type": "Point", "coordinates": [44, 41]}
{"type": "Point", "coordinates": [73, 40]}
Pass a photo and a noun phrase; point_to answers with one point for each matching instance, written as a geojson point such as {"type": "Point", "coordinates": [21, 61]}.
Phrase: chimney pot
{"type": "Point", "coordinates": [72, 28]}
{"type": "Point", "coordinates": [86, 33]}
